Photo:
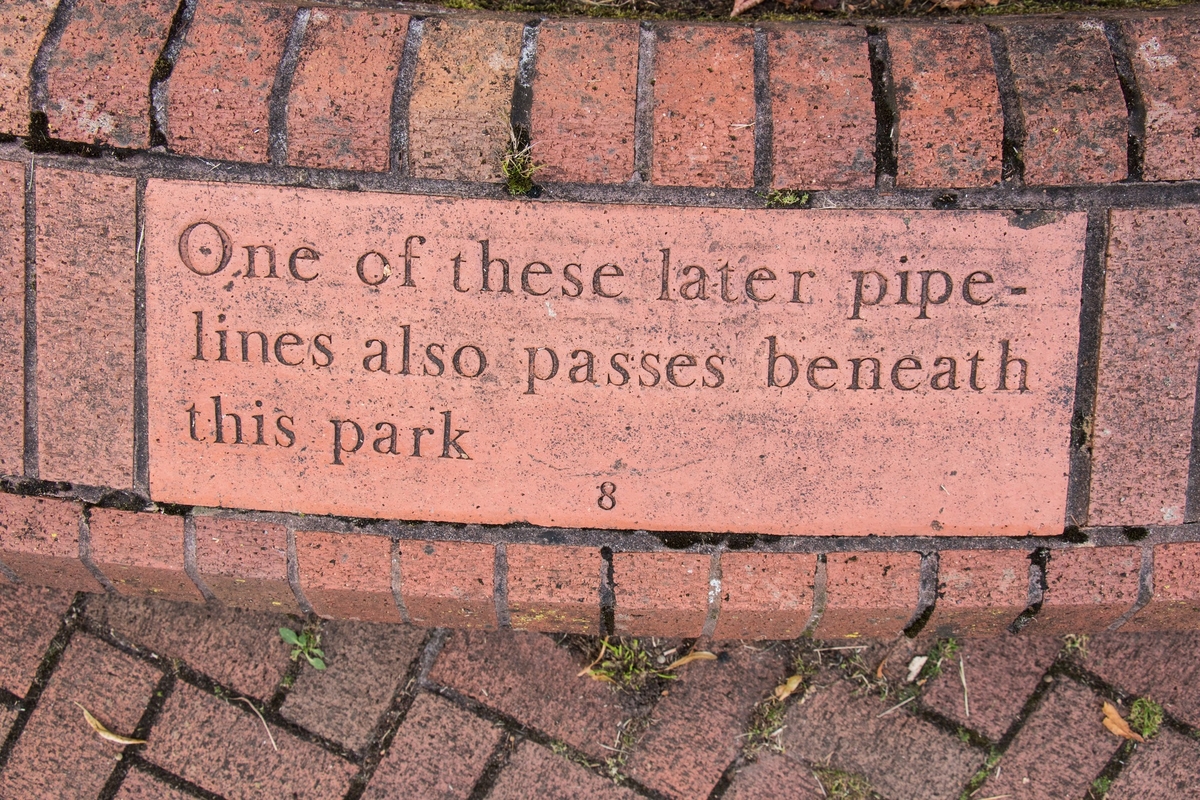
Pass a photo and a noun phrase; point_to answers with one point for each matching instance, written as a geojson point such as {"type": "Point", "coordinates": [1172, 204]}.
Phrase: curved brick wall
{"type": "Point", "coordinates": [104, 104]}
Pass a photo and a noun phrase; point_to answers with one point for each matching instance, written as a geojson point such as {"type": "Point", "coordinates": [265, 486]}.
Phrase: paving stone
{"type": "Point", "coordinates": [12, 296]}
{"type": "Point", "coordinates": [1162, 666]}
{"type": "Point", "coordinates": [765, 595]}
{"type": "Point", "coordinates": [584, 95]}
{"type": "Point", "coordinates": [365, 665]}
{"type": "Point", "coordinates": [1175, 605]}
{"type": "Point", "coordinates": [7, 717]}
{"type": "Point", "coordinates": [30, 616]}
{"type": "Point", "coordinates": [140, 786]}
{"type": "Point", "coordinates": [980, 592]}
{"type": "Point", "coordinates": [449, 584]}
{"type": "Point", "coordinates": [23, 24]}
{"type": "Point", "coordinates": [774, 777]}
{"type": "Point", "coordinates": [58, 754]}
{"type": "Point", "coordinates": [223, 747]}
{"type": "Point", "coordinates": [339, 109]}
{"type": "Point", "coordinates": [660, 594]}
{"type": "Point", "coordinates": [240, 649]}
{"type": "Point", "coordinates": [529, 677]}
{"type": "Point", "coordinates": [1166, 60]}
{"type": "Point", "coordinates": [39, 541]}
{"type": "Point", "coordinates": [439, 751]}
{"type": "Point", "coordinates": [244, 563]}
{"type": "Point", "coordinates": [1162, 769]}
{"type": "Point", "coordinates": [1059, 751]}
{"type": "Point", "coordinates": [1087, 589]}
{"type": "Point", "coordinates": [347, 575]}
{"type": "Point", "coordinates": [901, 755]}
{"type": "Point", "coordinates": [534, 771]}
{"type": "Point", "coordinates": [141, 553]}
{"type": "Point", "coordinates": [869, 594]}
{"type": "Point", "coordinates": [698, 725]}
{"type": "Point", "coordinates": [554, 588]}
{"type": "Point", "coordinates": [1001, 672]}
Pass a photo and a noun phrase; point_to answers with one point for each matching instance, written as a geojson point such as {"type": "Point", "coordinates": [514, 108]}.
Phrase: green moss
{"type": "Point", "coordinates": [1146, 717]}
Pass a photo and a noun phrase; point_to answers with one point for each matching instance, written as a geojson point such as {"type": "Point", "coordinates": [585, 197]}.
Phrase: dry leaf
{"type": "Point", "coordinates": [914, 668]}
{"type": "Point", "coordinates": [743, 5]}
{"type": "Point", "coordinates": [784, 690]}
{"type": "Point", "coordinates": [1117, 724]}
{"type": "Point", "coordinates": [699, 655]}
{"type": "Point", "coordinates": [105, 733]}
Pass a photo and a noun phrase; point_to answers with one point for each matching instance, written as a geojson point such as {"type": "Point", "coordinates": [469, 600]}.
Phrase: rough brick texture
{"type": "Point", "coordinates": [1161, 770]}
{"type": "Point", "coordinates": [765, 595]}
{"type": "Point", "coordinates": [1176, 602]}
{"type": "Point", "coordinates": [950, 127]}
{"type": "Point", "coordinates": [536, 772]}
{"type": "Point", "coordinates": [140, 786]}
{"type": "Point", "coordinates": [462, 99]}
{"type": "Point", "coordinates": [448, 583]}
{"type": "Point", "coordinates": [704, 107]}
{"type": "Point", "coordinates": [1087, 589]}
{"type": "Point", "coordinates": [99, 76]}
{"type": "Point", "coordinates": [218, 91]}
{"type": "Point", "coordinates": [775, 776]}
{"type": "Point", "coordinates": [1076, 123]}
{"type": "Point", "coordinates": [30, 616]}
{"type": "Point", "coordinates": [554, 588]}
{"type": "Point", "coordinates": [142, 554]}
{"type": "Point", "coordinates": [244, 563]}
{"type": "Point", "coordinates": [980, 592]}
{"type": "Point", "coordinates": [583, 101]}
{"type": "Point", "coordinates": [12, 311]}
{"type": "Point", "coordinates": [1149, 353]}
{"type": "Point", "coordinates": [1162, 666]}
{"type": "Point", "coordinates": [85, 259]}
{"type": "Point", "coordinates": [23, 24]}
{"type": "Point", "coordinates": [39, 541]}
{"type": "Point", "coordinates": [822, 113]}
{"type": "Point", "coordinates": [869, 594]}
{"type": "Point", "coordinates": [1166, 60]}
{"type": "Point", "coordinates": [660, 594]}
{"type": "Point", "coordinates": [339, 109]}
{"type": "Point", "coordinates": [347, 576]}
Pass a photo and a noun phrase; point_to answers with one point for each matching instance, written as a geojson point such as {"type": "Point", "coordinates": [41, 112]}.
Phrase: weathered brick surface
{"type": "Point", "coordinates": [704, 107]}
{"type": "Point", "coordinates": [1059, 751]}
{"type": "Point", "coordinates": [39, 541]}
{"type": "Point", "coordinates": [448, 583]}
{"type": "Point", "coordinates": [140, 786]}
{"type": "Point", "coordinates": [23, 24]}
{"type": "Point", "coordinates": [239, 649]}
{"type": "Point", "coordinates": [660, 594]}
{"type": "Point", "coordinates": [554, 588]}
{"type": "Point", "coordinates": [1162, 666]}
{"type": "Point", "coordinates": [339, 109]}
{"type": "Point", "coordinates": [223, 747]}
{"type": "Point", "coordinates": [141, 553]}
{"type": "Point", "coordinates": [531, 678]}
{"type": "Point", "coordinates": [244, 563]}
{"type": "Point", "coordinates": [1163, 769]}
{"type": "Point", "coordinates": [773, 776]}
{"type": "Point", "coordinates": [869, 594]}
{"type": "Point", "coordinates": [30, 616]}
{"type": "Point", "coordinates": [98, 82]}
{"type": "Point", "coordinates": [697, 724]}
{"type": "Point", "coordinates": [1176, 602]}
{"type": "Point", "coordinates": [7, 717]}
{"type": "Point", "coordinates": [462, 98]}
{"type": "Point", "coordinates": [584, 95]}
{"type": "Point", "coordinates": [1087, 589]}
{"type": "Point", "coordinates": [439, 751]}
{"type": "Point", "coordinates": [950, 127]}
{"type": "Point", "coordinates": [980, 592]}
{"type": "Point", "coordinates": [822, 113]}
{"type": "Point", "coordinates": [59, 755]}
{"type": "Point", "coordinates": [85, 258]}
{"type": "Point", "coordinates": [1149, 352]}
{"type": "Point", "coordinates": [218, 92]}
{"type": "Point", "coordinates": [347, 576]}
{"type": "Point", "coordinates": [12, 302]}
{"type": "Point", "coordinates": [365, 664]}
{"type": "Point", "coordinates": [765, 595]}
{"type": "Point", "coordinates": [536, 772]}
{"type": "Point", "coordinates": [1076, 124]}
{"type": "Point", "coordinates": [1166, 60]}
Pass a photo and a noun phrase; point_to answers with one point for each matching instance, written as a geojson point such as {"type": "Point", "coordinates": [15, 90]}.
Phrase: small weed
{"type": "Point", "coordinates": [782, 198]}
{"type": "Point", "coordinates": [943, 650]}
{"type": "Point", "coordinates": [628, 665]}
{"type": "Point", "coordinates": [1075, 645]}
{"type": "Point", "coordinates": [1100, 788]}
{"type": "Point", "coordinates": [840, 785]}
{"type": "Point", "coordinates": [306, 643]}
{"type": "Point", "coordinates": [977, 780]}
{"type": "Point", "coordinates": [628, 733]}
{"type": "Point", "coordinates": [765, 727]}
{"type": "Point", "coordinates": [517, 165]}
{"type": "Point", "coordinates": [1146, 716]}
{"type": "Point", "coordinates": [963, 735]}
{"type": "Point", "coordinates": [288, 681]}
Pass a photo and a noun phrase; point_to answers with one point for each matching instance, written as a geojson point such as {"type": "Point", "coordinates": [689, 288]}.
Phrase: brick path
{"type": "Point", "coordinates": [409, 712]}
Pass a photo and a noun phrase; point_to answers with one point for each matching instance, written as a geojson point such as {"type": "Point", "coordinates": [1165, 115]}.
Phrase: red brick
{"type": "Point", "coordinates": [869, 594]}
{"type": "Point", "coordinates": [448, 583]}
{"type": "Point", "coordinates": [462, 98]}
{"type": "Point", "coordinates": [1166, 61]}
{"type": "Point", "coordinates": [1163, 769]}
{"type": "Point", "coordinates": [7, 717]}
{"type": "Point", "coordinates": [30, 616]}
{"type": "Point", "coordinates": [530, 678]}
{"type": "Point", "coordinates": [218, 92]}
{"type": "Point", "coordinates": [12, 304]}
{"type": "Point", "coordinates": [85, 256]}
{"type": "Point", "coordinates": [1149, 354]}
{"type": "Point", "coordinates": [950, 126]}
{"type": "Point", "coordinates": [704, 108]}
{"type": "Point", "coordinates": [141, 553]}
{"type": "Point", "coordinates": [822, 113]}
{"type": "Point", "coordinates": [1161, 665]}
{"type": "Point", "coordinates": [584, 95]}
{"type": "Point", "coordinates": [23, 24]}
{"type": "Point", "coordinates": [1176, 602]}
{"type": "Point", "coordinates": [347, 575]}
{"type": "Point", "coordinates": [698, 725]}
{"type": "Point", "coordinates": [339, 110]}
{"type": "Point", "coordinates": [772, 775]}
{"type": "Point", "coordinates": [536, 772]}
{"type": "Point", "coordinates": [39, 541]}
{"type": "Point", "coordinates": [765, 595]}
{"type": "Point", "coordinates": [98, 81]}
{"type": "Point", "coordinates": [140, 786]}
{"type": "Point", "coordinates": [980, 592]}
{"type": "Point", "coordinates": [1059, 750]}
{"type": "Point", "coordinates": [554, 588]}
{"type": "Point", "coordinates": [1087, 589]}
{"type": "Point", "coordinates": [244, 563]}
{"type": "Point", "coordinates": [439, 751]}
{"type": "Point", "coordinates": [59, 755]}
{"type": "Point", "coordinates": [365, 664]}
{"type": "Point", "coordinates": [223, 747]}
{"type": "Point", "coordinates": [1076, 124]}
{"type": "Point", "coordinates": [661, 594]}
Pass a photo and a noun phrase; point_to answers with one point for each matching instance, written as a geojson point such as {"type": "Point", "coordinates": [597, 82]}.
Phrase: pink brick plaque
{"type": "Point", "coordinates": [784, 372]}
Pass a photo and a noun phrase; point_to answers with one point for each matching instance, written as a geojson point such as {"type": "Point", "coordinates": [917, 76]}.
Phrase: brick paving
{"type": "Point", "coordinates": [403, 711]}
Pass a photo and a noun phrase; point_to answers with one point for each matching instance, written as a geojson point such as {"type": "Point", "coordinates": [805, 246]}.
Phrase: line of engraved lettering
{"type": "Point", "coordinates": [260, 346]}
{"type": "Point", "coordinates": [935, 287]}
{"type": "Point", "coordinates": [496, 275]}
{"type": "Point", "coordinates": [696, 283]}
{"type": "Point", "coordinates": [651, 369]}
{"type": "Point", "coordinates": [221, 420]}
{"type": "Point", "coordinates": [349, 436]}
